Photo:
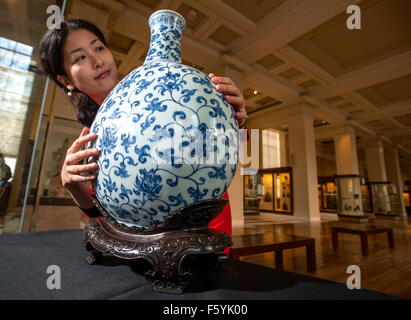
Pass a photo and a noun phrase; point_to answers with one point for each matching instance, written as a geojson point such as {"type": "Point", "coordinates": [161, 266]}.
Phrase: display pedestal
{"type": "Point", "coordinates": [352, 218]}
{"type": "Point", "coordinates": [388, 216]}
{"type": "Point", "coordinates": [183, 233]}
{"type": "Point", "coordinates": [371, 217]}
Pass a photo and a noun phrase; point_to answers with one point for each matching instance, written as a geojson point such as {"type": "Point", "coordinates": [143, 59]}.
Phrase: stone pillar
{"type": "Point", "coordinates": [377, 176]}
{"type": "Point", "coordinates": [374, 153]}
{"type": "Point", "coordinates": [260, 150]}
{"type": "Point", "coordinates": [346, 153]}
{"type": "Point", "coordinates": [303, 162]}
{"type": "Point", "coordinates": [283, 149]}
{"type": "Point", "coordinates": [348, 178]}
{"type": "Point", "coordinates": [394, 176]}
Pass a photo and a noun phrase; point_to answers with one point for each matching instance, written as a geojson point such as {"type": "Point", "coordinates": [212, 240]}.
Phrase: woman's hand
{"type": "Point", "coordinates": [70, 172]}
{"type": "Point", "coordinates": [233, 96]}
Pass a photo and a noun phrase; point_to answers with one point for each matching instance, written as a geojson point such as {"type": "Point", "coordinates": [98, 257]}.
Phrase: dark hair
{"type": "Point", "coordinates": [52, 61]}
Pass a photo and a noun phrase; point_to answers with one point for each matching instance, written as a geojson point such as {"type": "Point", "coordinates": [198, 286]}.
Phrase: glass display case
{"type": "Point", "coordinates": [349, 195]}
{"type": "Point", "coordinates": [366, 198]}
{"type": "Point", "coordinates": [282, 184]}
{"type": "Point", "coordinates": [380, 197]}
{"type": "Point", "coordinates": [270, 190]}
{"type": "Point", "coordinates": [406, 195]}
{"type": "Point", "coordinates": [395, 199]}
{"type": "Point", "coordinates": [327, 194]}
{"type": "Point", "coordinates": [267, 195]}
{"type": "Point", "coordinates": [251, 200]}
{"type": "Point", "coordinates": [63, 132]}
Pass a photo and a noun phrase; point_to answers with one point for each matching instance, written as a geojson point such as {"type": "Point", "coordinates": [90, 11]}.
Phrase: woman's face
{"type": "Point", "coordinates": [89, 64]}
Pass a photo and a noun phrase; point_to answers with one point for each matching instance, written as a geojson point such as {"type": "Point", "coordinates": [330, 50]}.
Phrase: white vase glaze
{"type": "Point", "coordinates": [147, 128]}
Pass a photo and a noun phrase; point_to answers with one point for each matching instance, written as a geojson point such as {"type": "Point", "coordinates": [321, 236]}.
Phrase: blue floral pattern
{"type": "Point", "coordinates": [167, 137]}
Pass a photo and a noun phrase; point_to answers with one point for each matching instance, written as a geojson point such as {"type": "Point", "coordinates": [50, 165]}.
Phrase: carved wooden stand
{"type": "Point", "coordinates": [164, 246]}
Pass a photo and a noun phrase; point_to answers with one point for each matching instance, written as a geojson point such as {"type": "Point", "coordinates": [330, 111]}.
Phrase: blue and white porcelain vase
{"type": "Point", "coordinates": [166, 137]}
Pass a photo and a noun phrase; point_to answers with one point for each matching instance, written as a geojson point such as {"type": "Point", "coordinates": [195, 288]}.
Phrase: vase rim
{"type": "Point", "coordinates": [166, 11]}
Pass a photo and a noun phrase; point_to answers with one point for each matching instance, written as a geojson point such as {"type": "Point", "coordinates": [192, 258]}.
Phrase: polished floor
{"type": "Point", "coordinates": [385, 270]}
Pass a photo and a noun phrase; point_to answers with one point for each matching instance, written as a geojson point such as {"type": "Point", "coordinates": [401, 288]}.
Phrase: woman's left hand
{"type": "Point", "coordinates": [232, 94]}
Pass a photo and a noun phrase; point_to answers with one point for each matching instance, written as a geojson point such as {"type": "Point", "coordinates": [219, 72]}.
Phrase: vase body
{"type": "Point", "coordinates": [166, 137]}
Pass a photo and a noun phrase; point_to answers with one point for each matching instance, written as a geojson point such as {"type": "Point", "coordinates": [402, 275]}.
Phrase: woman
{"type": "Point", "coordinates": [76, 57]}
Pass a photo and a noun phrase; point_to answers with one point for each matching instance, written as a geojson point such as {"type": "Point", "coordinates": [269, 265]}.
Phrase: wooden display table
{"type": "Point", "coordinates": [363, 231]}
{"type": "Point", "coordinates": [259, 243]}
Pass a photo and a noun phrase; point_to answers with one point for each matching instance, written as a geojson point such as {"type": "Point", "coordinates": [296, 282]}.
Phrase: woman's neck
{"type": "Point", "coordinates": [99, 98]}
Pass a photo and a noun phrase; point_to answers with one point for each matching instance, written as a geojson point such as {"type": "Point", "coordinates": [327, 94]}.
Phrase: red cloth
{"type": "Point", "coordinates": [223, 221]}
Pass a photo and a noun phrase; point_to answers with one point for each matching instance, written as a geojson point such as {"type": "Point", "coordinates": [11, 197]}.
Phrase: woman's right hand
{"type": "Point", "coordinates": [70, 172]}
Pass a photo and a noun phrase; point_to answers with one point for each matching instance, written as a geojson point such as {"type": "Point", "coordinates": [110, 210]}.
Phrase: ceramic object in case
{"type": "Point", "coordinates": [166, 137]}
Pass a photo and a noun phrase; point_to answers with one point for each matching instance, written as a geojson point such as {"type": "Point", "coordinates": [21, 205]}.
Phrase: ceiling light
{"type": "Point", "coordinates": [192, 14]}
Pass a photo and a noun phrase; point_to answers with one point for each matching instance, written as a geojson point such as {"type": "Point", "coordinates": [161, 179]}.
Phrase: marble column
{"type": "Point", "coordinates": [377, 176]}
{"type": "Point", "coordinates": [346, 152]}
{"type": "Point", "coordinates": [374, 153]}
{"type": "Point", "coordinates": [394, 176]}
{"type": "Point", "coordinates": [348, 179]}
{"type": "Point", "coordinates": [303, 162]}
{"type": "Point", "coordinates": [283, 149]}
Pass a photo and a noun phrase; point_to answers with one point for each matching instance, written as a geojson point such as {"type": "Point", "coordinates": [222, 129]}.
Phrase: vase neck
{"type": "Point", "coordinates": [166, 30]}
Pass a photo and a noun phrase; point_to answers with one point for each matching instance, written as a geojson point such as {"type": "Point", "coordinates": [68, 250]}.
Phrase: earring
{"type": "Point", "coordinates": [69, 93]}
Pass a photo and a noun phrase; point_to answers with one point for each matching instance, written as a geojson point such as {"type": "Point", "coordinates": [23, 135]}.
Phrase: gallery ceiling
{"type": "Point", "coordinates": [284, 50]}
